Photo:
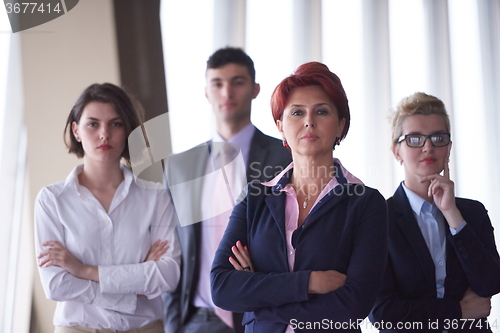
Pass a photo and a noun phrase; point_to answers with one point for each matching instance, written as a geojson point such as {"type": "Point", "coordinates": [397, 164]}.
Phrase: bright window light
{"type": "Point", "coordinates": [409, 49]}
{"type": "Point", "coordinates": [5, 33]}
{"type": "Point", "coordinates": [343, 54]}
{"type": "Point", "coordinates": [269, 44]}
{"type": "Point", "coordinates": [187, 43]}
{"type": "Point", "coordinates": [468, 108]}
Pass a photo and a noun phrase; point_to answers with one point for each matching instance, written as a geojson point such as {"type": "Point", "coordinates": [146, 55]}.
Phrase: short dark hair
{"type": "Point", "coordinates": [127, 108]}
{"type": "Point", "coordinates": [231, 55]}
{"type": "Point", "coordinates": [312, 74]}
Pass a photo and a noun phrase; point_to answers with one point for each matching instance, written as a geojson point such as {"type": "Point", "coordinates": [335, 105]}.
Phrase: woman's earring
{"type": "Point", "coordinates": [285, 144]}
{"type": "Point", "coordinates": [77, 138]}
{"type": "Point", "coordinates": [400, 162]}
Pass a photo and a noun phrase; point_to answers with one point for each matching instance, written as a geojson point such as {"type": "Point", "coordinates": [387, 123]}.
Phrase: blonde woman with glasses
{"type": "Point", "coordinates": [443, 263]}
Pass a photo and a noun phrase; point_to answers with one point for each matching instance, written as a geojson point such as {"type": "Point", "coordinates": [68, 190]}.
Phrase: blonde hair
{"type": "Point", "coordinates": [417, 103]}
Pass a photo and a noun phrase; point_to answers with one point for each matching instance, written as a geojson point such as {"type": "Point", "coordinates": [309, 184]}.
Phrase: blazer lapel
{"type": "Point", "coordinates": [408, 225]}
{"type": "Point", "coordinates": [258, 153]}
{"type": "Point", "coordinates": [453, 267]}
{"type": "Point", "coordinates": [326, 204]}
{"type": "Point", "coordinates": [276, 203]}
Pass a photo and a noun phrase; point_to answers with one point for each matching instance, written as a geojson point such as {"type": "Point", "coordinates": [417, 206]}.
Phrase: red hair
{"type": "Point", "coordinates": [312, 74]}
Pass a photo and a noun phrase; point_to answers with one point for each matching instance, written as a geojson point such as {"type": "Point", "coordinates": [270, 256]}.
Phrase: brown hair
{"type": "Point", "coordinates": [128, 109]}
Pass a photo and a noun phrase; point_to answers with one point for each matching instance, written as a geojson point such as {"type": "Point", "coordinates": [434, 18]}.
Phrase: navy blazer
{"type": "Point", "coordinates": [409, 289]}
{"type": "Point", "coordinates": [346, 231]}
{"type": "Point", "coordinates": [267, 157]}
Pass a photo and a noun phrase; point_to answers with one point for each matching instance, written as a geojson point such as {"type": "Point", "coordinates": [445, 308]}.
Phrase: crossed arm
{"type": "Point", "coordinates": [55, 254]}
{"type": "Point", "coordinates": [65, 277]}
{"type": "Point", "coordinates": [303, 294]}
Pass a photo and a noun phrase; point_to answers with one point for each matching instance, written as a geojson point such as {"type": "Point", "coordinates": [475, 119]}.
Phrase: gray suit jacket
{"type": "Point", "coordinates": [267, 157]}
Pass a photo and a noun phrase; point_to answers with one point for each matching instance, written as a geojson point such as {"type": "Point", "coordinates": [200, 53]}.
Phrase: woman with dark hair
{"type": "Point", "coordinates": [443, 264]}
{"type": "Point", "coordinates": [306, 250]}
{"type": "Point", "coordinates": [101, 237]}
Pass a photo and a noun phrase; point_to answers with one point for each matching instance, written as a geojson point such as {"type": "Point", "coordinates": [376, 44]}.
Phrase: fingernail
{"type": "Point", "coordinates": [246, 247]}
{"type": "Point", "coordinates": [238, 242]}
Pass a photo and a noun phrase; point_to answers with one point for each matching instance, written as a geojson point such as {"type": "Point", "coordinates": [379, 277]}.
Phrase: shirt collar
{"type": "Point", "coordinates": [72, 179]}
{"type": "Point", "coordinates": [242, 139]}
{"type": "Point", "coordinates": [128, 176]}
{"type": "Point", "coordinates": [416, 202]}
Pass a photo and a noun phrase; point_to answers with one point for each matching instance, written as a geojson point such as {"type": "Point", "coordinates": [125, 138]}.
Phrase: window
{"type": "Point", "coordinates": [185, 57]}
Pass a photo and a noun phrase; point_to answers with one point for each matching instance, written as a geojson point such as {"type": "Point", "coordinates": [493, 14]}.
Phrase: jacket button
{"type": "Point", "coordinates": [465, 255]}
{"type": "Point", "coordinates": [459, 242]}
{"type": "Point", "coordinates": [461, 249]}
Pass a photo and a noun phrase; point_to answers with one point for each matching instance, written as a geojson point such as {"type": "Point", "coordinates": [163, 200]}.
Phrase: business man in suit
{"type": "Point", "coordinates": [443, 263]}
{"type": "Point", "coordinates": [230, 89]}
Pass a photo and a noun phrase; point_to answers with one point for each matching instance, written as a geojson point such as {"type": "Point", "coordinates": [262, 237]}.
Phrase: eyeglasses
{"type": "Point", "coordinates": [418, 140]}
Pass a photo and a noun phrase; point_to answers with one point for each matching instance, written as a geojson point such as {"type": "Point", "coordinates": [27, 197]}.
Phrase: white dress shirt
{"type": "Point", "coordinates": [127, 295]}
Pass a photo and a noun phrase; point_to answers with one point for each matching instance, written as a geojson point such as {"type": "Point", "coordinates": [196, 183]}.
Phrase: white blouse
{"type": "Point", "coordinates": [118, 241]}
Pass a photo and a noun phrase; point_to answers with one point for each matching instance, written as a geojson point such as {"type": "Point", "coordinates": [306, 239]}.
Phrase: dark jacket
{"type": "Point", "coordinates": [409, 289]}
{"type": "Point", "coordinates": [345, 231]}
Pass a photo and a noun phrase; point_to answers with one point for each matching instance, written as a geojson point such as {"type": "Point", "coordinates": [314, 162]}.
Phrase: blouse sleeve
{"type": "Point", "coordinates": [151, 278]}
{"type": "Point", "coordinates": [58, 284]}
